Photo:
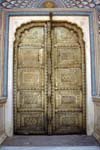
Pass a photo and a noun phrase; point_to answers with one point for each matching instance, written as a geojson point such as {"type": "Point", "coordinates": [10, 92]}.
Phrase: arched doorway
{"type": "Point", "coordinates": [49, 79]}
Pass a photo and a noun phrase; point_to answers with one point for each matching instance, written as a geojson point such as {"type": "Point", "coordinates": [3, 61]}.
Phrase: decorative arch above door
{"type": "Point", "coordinates": [49, 79]}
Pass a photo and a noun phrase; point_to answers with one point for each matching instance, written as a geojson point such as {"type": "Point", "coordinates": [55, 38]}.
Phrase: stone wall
{"type": "Point", "coordinates": [97, 118]}
{"type": "Point", "coordinates": [2, 99]}
{"type": "Point", "coordinates": [2, 119]}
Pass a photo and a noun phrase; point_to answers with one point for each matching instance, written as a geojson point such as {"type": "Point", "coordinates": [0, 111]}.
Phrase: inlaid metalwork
{"type": "Point", "coordinates": [68, 79]}
{"type": "Point", "coordinates": [29, 80]}
{"type": "Point", "coordinates": [49, 79]}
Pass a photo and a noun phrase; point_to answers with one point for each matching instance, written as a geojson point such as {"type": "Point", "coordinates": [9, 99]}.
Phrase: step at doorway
{"type": "Point", "coordinates": [64, 140]}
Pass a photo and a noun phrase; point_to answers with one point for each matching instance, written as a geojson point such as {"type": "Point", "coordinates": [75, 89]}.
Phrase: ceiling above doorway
{"type": "Point", "coordinates": [8, 4]}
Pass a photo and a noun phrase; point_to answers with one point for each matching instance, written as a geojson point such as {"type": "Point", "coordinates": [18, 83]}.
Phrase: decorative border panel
{"type": "Point", "coordinates": [8, 4]}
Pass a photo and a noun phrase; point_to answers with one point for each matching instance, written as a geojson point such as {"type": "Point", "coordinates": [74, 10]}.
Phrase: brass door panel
{"type": "Point", "coordinates": [29, 80]}
{"type": "Point", "coordinates": [27, 57]}
{"type": "Point", "coordinates": [68, 79]}
{"type": "Point", "coordinates": [65, 57]}
{"type": "Point", "coordinates": [68, 122]}
{"type": "Point", "coordinates": [34, 102]}
{"type": "Point", "coordinates": [68, 99]}
{"type": "Point", "coordinates": [30, 122]}
{"type": "Point", "coordinates": [49, 79]}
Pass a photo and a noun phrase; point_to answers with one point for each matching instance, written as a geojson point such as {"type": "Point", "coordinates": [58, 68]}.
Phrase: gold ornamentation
{"type": "Point", "coordinates": [68, 80]}
{"type": "Point", "coordinates": [69, 122]}
{"type": "Point", "coordinates": [48, 4]}
{"type": "Point", "coordinates": [29, 83]}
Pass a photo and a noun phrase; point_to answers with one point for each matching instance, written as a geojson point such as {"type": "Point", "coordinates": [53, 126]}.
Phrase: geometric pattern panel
{"type": "Point", "coordinates": [30, 79]}
{"type": "Point", "coordinates": [65, 36]}
{"type": "Point", "coordinates": [68, 100]}
{"type": "Point", "coordinates": [68, 56]}
{"type": "Point", "coordinates": [31, 122]}
{"type": "Point", "coordinates": [69, 78]}
{"type": "Point", "coordinates": [29, 100]}
{"type": "Point", "coordinates": [32, 37]}
{"type": "Point", "coordinates": [68, 122]}
{"type": "Point", "coordinates": [30, 57]}
{"type": "Point", "coordinates": [48, 3]}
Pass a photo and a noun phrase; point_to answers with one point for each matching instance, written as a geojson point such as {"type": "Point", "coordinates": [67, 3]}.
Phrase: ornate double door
{"type": "Point", "coordinates": [49, 79]}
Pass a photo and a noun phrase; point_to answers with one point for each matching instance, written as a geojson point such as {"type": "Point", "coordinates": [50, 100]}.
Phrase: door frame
{"type": "Point", "coordinates": [51, 127]}
{"type": "Point", "coordinates": [89, 58]}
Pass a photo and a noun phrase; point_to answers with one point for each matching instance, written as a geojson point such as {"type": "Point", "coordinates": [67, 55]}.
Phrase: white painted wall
{"type": "Point", "coordinates": [17, 21]}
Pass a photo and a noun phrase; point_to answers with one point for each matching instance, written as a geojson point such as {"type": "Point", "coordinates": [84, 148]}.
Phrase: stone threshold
{"type": "Point", "coordinates": [50, 148]}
